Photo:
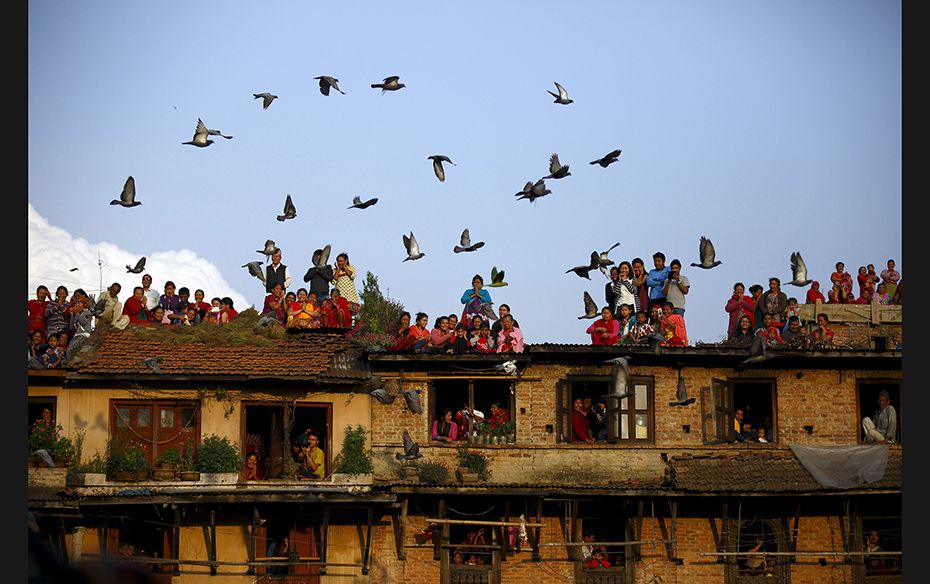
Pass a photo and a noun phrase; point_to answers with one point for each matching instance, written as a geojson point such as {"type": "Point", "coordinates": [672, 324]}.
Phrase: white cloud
{"type": "Point", "coordinates": [53, 252]}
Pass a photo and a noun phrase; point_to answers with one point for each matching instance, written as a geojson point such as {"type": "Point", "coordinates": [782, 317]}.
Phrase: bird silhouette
{"type": "Point", "coordinates": [357, 202]}
{"type": "Point", "coordinates": [324, 256]}
{"type": "Point", "coordinates": [608, 158]}
{"type": "Point", "coordinates": [201, 134]}
{"type": "Point", "coordinates": [326, 82]}
{"type": "Point", "coordinates": [465, 243]}
{"type": "Point", "coordinates": [583, 271]}
{"type": "Point", "coordinates": [383, 396]}
{"type": "Point", "coordinates": [508, 367]}
{"type": "Point", "coordinates": [590, 308]}
{"type": "Point", "coordinates": [269, 250]}
{"type": "Point", "coordinates": [562, 97]}
{"type": "Point", "coordinates": [140, 266]}
{"type": "Point", "coordinates": [757, 352]}
{"type": "Point", "coordinates": [707, 254]}
{"type": "Point", "coordinates": [497, 278]}
{"type": "Point", "coordinates": [266, 98]}
{"type": "Point", "coordinates": [487, 311]}
{"type": "Point", "coordinates": [127, 198]}
{"type": "Point", "coordinates": [603, 261]}
{"type": "Point", "coordinates": [290, 211]}
{"type": "Point", "coordinates": [73, 269]}
{"type": "Point", "coordinates": [681, 393]}
{"type": "Point", "coordinates": [411, 449]}
{"type": "Point", "coordinates": [438, 159]}
{"type": "Point", "coordinates": [218, 133]}
{"type": "Point", "coordinates": [255, 269]}
{"type": "Point", "coordinates": [556, 170]}
{"type": "Point", "coordinates": [798, 270]}
{"type": "Point", "coordinates": [533, 191]}
{"type": "Point", "coordinates": [153, 364]}
{"type": "Point", "coordinates": [413, 248]}
{"type": "Point", "coordinates": [389, 84]}
{"type": "Point", "coordinates": [620, 376]}
{"type": "Point", "coordinates": [412, 399]}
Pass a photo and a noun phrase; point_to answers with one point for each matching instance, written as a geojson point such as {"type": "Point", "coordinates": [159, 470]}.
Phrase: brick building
{"type": "Point", "coordinates": [668, 493]}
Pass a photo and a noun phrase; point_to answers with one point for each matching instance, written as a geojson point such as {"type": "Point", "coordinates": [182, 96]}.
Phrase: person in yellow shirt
{"type": "Point", "coordinates": [311, 460]}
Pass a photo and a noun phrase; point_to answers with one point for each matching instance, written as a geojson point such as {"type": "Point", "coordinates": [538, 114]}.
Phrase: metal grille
{"type": "Point", "coordinates": [603, 575]}
{"type": "Point", "coordinates": [469, 574]}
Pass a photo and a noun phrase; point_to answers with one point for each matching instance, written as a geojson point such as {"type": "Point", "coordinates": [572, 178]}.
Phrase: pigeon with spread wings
{"type": "Point", "coordinates": [255, 269]}
{"type": "Point", "coordinates": [201, 134]}
{"type": "Point", "coordinates": [412, 247]}
{"type": "Point", "coordinates": [266, 98]}
{"type": "Point", "coordinates": [562, 97]}
{"type": "Point", "coordinates": [358, 203]}
{"type": "Point", "coordinates": [590, 308]}
{"type": "Point", "coordinates": [411, 449]}
{"type": "Point", "coordinates": [438, 159]}
{"type": "Point", "coordinates": [582, 271]}
{"type": "Point", "coordinates": [466, 244]}
{"type": "Point", "coordinates": [533, 191]}
{"type": "Point", "coordinates": [603, 261]}
{"type": "Point", "coordinates": [497, 278]}
{"type": "Point", "coordinates": [270, 249]}
{"type": "Point", "coordinates": [389, 84]}
{"type": "Point", "coordinates": [798, 270]}
{"type": "Point", "coordinates": [290, 211]}
{"type": "Point", "coordinates": [608, 158]}
{"type": "Point", "coordinates": [556, 169]}
{"type": "Point", "coordinates": [127, 198]}
{"type": "Point", "coordinates": [707, 255]}
{"type": "Point", "coordinates": [140, 266]}
{"type": "Point", "coordinates": [326, 82]}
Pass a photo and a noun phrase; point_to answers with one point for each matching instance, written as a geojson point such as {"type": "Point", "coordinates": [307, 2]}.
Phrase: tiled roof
{"type": "Point", "coordinates": [758, 471]}
{"type": "Point", "coordinates": [296, 356]}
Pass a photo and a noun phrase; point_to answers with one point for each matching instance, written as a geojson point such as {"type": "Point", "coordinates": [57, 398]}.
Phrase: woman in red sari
{"type": "Point", "coordinates": [341, 310]}
{"type": "Point", "coordinates": [36, 310]}
{"type": "Point", "coordinates": [135, 307]}
{"type": "Point", "coordinates": [402, 340]}
{"type": "Point", "coordinates": [814, 294]}
{"type": "Point", "coordinates": [842, 277]}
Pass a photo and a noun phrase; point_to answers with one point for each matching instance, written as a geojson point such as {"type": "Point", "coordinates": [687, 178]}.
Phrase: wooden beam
{"type": "Point", "coordinates": [367, 551]}
{"type": "Point", "coordinates": [176, 541]}
{"type": "Point", "coordinates": [441, 521]}
{"type": "Point", "coordinates": [505, 536]}
{"type": "Point", "coordinates": [400, 524]}
{"type": "Point", "coordinates": [474, 522]}
{"type": "Point", "coordinates": [575, 534]}
{"type": "Point", "coordinates": [672, 545]}
{"type": "Point", "coordinates": [213, 542]}
{"type": "Point", "coordinates": [324, 537]}
{"type": "Point", "coordinates": [534, 539]}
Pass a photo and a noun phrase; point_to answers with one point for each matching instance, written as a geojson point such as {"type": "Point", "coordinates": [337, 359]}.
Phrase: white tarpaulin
{"type": "Point", "coordinates": [844, 467]}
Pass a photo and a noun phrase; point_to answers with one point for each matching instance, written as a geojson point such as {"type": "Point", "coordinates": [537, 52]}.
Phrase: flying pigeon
{"type": "Point", "coordinates": [590, 308]}
{"type": "Point", "coordinates": [218, 133]}
{"type": "Point", "coordinates": [466, 244]}
{"type": "Point", "coordinates": [326, 82]}
{"type": "Point", "coordinates": [153, 364]}
{"type": "Point", "coordinates": [127, 198]}
{"type": "Point", "coordinates": [413, 248]}
{"type": "Point", "coordinates": [324, 257]}
{"type": "Point", "coordinates": [200, 138]}
{"type": "Point", "coordinates": [412, 398]}
{"type": "Point", "coordinates": [411, 449]}
{"type": "Point", "coordinates": [608, 158]}
{"type": "Point", "coordinates": [707, 255]}
{"type": "Point", "coordinates": [798, 270]}
{"type": "Point", "coordinates": [757, 353]}
{"type": "Point", "coordinates": [682, 394]}
{"type": "Point", "coordinates": [290, 211]}
{"type": "Point", "coordinates": [603, 261]}
{"type": "Point", "coordinates": [266, 98]}
{"type": "Point", "coordinates": [357, 202]}
{"type": "Point", "coordinates": [383, 396]}
{"type": "Point", "coordinates": [140, 266]}
{"type": "Point", "coordinates": [269, 250]}
{"type": "Point", "coordinates": [255, 269]}
{"type": "Point", "coordinates": [73, 269]}
{"type": "Point", "coordinates": [556, 170]}
{"type": "Point", "coordinates": [389, 84]}
{"type": "Point", "coordinates": [620, 375]}
{"type": "Point", "coordinates": [45, 456]}
{"type": "Point", "coordinates": [497, 278]}
{"type": "Point", "coordinates": [655, 341]}
{"type": "Point", "coordinates": [562, 97]}
{"type": "Point", "coordinates": [486, 310]}
{"type": "Point", "coordinates": [582, 271]}
{"type": "Point", "coordinates": [533, 191]}
{"type": "Point", "coordinates": [438, 159]}
{"type": "Point", "coordinates": [508, 367]}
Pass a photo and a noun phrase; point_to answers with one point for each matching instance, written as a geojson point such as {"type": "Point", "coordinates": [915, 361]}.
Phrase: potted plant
{"type": "Point", "coordinates": [167, 463]}
{"type": "Point", "coordinates": [185, 467]}
{"type": "Point", "coordinates": [510, 431]}
{"type": "Point", "coordinates": [126, 462]}
{"type": "Point", "coordinates": [497, 435]}
{"type": "Point", "coordinates": [473, 465]}
{"type": "Point", "coordinates": [409, 469]}
{"type": "Point", "coordinates": [92, 472]}
{"type": "Point", "coordinates": [218, 460]}
{"type": "Point", "coordinates": [433, 473]}
{"type": "Point", "coordinates": [42, 436]}
{"type": "Point", "coordinates": [62, 451]}
{"type": "Point", "coordinates": [483, 432]}
{"type": "Point", "coordinates": [354, 460]}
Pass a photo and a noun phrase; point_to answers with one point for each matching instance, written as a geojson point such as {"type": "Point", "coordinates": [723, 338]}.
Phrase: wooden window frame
{"type": "Point", "coordinates": [153, 447]}
{"type": "Point", "coordinates": [286, 408]}
{"type": "Point", "coordinates": [564, 401]}
{"type": "Point", "coordinates": [718, 408]}
{"type": "Point", "coordinates": [511, 399]}
{"type": "Point", "coordinates": [899, 408]}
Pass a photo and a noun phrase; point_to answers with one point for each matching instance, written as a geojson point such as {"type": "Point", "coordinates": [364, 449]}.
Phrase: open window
{"type": "Point", "coordinates": [36, 408]}
{"type": "Point", "coordinates": [281, 541]}
{"type": "Point", "coordinates": [879, 534]}
{"type": "Point", "coordinates": [272, 430]}
{"type": "Point", "coordinates": [601, 560]}
{"type": "Point", "coordinates": [868, 393]}
{"type": "Point", "coordinates": [630, 420]}
{"type": "Point", "coordinates": [478, 394]}
{"type": "Point", "coordinates": [748, 405]}
{"type": "Point", "coordinates": [140, 536]}
{"type": "Point", "coordinates": [759, 543]}
{"type": "Point", "coordinates": [158, 425]}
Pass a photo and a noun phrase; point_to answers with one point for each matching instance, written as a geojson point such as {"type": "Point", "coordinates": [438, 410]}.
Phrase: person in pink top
{"type": "Point", "coordinates": [890, 277]}
{"type": "Point", "coordinates": [510, 339]}
{"type": "Point", "coordinates": [738, 304]}
{"type": "Point", "coordinates": [444, 429]}
{"type": "Point", "coordinates": [606, 330]}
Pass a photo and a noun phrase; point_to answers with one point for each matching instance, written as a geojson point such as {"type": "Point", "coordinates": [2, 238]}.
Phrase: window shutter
{"type": "Point", "coordinates": [562, 411]}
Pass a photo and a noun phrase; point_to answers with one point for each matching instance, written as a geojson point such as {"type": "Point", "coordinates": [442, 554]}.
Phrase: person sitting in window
{"type": "Point", "coordinates": [597, 417]}
{"type": "Point", "coordinates": [581, 427]}
{"type": "Point", "coordinates": [499, 416]}
{"type": "Point", "coordinates": [510, 339]}
{"type": "Point", "coordinates": [874, 564]}
{"type": "Point", "coordinates": [605, 330]}
{"type": "Point", "coordinates": [598, 560]}
{"type": "Point", "coordinates": [881, 428]}
{"type": "Point", "coordinates": [444, 429]}
{"type": "Point", "coordinates": [755, 558]}
{"type": "Point", "coordinates": [466, 416]}
{"type": "Point", "coordinates": [252, 470]}
{"type": "Point", "coordinates": [738, 430]}
{"type": "Point", "coordinates": [458, 559]}
{"type": "Point", "coordinates": [311, 460]}
{"type": "Point", "coordinates": [760, 435]}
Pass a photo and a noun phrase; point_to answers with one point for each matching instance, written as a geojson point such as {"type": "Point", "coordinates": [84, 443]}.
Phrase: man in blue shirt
{"type": "Point", "coordinates": [656, 279]}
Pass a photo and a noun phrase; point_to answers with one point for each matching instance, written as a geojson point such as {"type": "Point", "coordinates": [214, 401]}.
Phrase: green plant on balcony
{"type": "Point", "coordinates": [96, 464]}
{"type": "Point", "coordinates": [126, 458]}
{"type": "Point", "coordinates": [62, 449]}
{"type": "Point", "coordinates": [354, 459]}
{"type": "Point", "coordinates": [43, 435]}
{"type": "Point", "coordinates": [434, 473]}
{"type": "Point", "coordinates": [218, 455]}
{"type": "Point", "coordinates": [474, 461]}
{"type": "Point", "coordinates": [186, 463]}
{"type": "Point", "coordinates": [170, 458]}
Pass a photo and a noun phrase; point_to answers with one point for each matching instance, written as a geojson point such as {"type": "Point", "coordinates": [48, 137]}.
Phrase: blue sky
{"type": "Point", "coordinates": [769, 127]}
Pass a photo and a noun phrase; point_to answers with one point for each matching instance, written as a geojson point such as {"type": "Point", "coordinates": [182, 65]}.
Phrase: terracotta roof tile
{"type": "Point", "coordinates": [297, 356]}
